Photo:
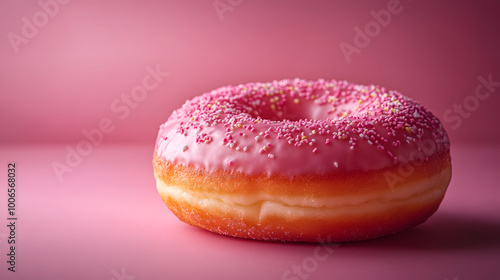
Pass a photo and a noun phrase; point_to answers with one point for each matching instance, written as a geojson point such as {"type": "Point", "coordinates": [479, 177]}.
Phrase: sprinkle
{"type": "Point", "coordinates": [184, 148]}
{"type": "Point", "coordinates": [270, 155]}
{"type": "Point", "coordinates": [230, 163]}
{"type": "Point", "coordinates": [336, 164]}
{"type": "Point", "coordinates": [315, 150]}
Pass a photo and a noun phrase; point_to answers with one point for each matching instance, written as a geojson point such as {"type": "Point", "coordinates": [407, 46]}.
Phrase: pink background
{"type": "Point", "coordinates": [105, 214]}
{"type": "Point", "coordinates": [66, 77]}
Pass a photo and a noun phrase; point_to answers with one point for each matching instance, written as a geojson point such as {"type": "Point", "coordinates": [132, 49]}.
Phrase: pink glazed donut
{"type": "Point", "coordinates": [298, 160]}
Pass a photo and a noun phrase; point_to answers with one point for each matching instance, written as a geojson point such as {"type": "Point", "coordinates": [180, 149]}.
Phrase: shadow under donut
{"type": "Point", "coordinates": [443, 231]}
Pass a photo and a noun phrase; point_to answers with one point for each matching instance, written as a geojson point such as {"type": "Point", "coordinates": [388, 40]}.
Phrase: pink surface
{"type": "Point", "coordinates": [107, 216]}
{"type": "Point", "coordinates": [82, 64]}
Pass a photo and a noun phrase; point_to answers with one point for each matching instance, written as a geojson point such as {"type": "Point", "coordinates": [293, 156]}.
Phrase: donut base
{"type": "Point", "coordinates": [340, 208]}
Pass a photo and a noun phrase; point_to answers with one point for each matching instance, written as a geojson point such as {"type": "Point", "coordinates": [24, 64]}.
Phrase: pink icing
{"type": "Point", "coordinates": [297, 127]}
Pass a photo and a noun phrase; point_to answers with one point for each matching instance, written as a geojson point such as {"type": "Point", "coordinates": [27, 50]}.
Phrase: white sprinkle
{"type": "Point", "coordinates": [257, 138]}
{"type": "Point", "coordinates": [245, 149]}
{"type": "Point", "coordinates": [270, 155]}
{"type": "Point", "coordinates": [336, 164]}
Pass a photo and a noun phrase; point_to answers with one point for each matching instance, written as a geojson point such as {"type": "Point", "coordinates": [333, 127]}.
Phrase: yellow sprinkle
{"type": "Point", "coordinates": [314, 131]}
{"type": "Point", "coordinates": [312, 96]}
{"type": "Point", "coordinates": [393, 110]}
{"type": "Point", "coordinates": [356, 108]}
{"type": "Point", "coordinates": [238, 125]}
{"type": "Point", "coordinates": [290, 88]}
{"type": "Point", "coordinates": [264, 148]}
{"type": "Point", "coordinates": [304, 137]}
{"type": "Point", "coordinates": [296, 101]}
{"type": "Point", "coordinates": [360, 101]}
{"type": "Point", "coordinates": [373, 94]}
{"type": "Point", "coordinates": [209, 105]}
{"type": "Point", "coordinates": [333, 109]}
{"type": "Point", "coordinates": [273, 107]}
{"type": "Point", "coordinates": [408, 129]}
{"type": "Point", "coordinates": [192, 118]}
{"type": "Point", "coordinates": [282, 92]}
{"type": "Point", "coordinates": [386, 109]}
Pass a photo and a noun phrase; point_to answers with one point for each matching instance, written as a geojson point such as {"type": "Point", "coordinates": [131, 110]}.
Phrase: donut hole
{"type": "Point", "coordinates": [304, 109]}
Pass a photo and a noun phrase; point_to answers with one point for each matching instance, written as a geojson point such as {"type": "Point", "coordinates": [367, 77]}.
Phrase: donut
{"type": "Point", "coordinates": [303, 161]}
